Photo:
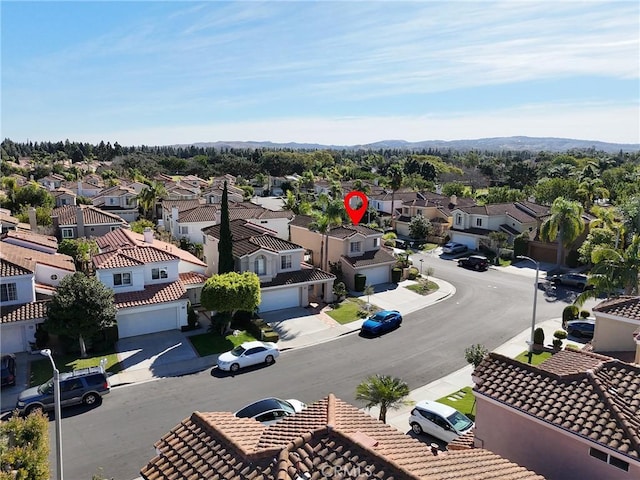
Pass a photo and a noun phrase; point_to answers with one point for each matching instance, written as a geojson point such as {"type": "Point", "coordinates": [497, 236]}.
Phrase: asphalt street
{"type": "Point", "coordinates": [116, 438]}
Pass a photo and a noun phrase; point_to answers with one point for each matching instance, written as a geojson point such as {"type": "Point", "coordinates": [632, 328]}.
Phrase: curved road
{"type": "Point", "coordinates": [488, 308]}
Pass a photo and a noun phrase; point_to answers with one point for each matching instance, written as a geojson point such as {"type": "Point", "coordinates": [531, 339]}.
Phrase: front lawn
{"type": "Point", "coordinates": [427, 247]}
{"type": "Point", "coordinates": [462, 400]}
{"type": "Point", "coordinates": [423, 287]}
{"type": "Point", "coordinates": [536, 357]}
{"type": "Point", "coordinates": [41, 370]}
{"type": "Point", "coordinates": [347, 310]}
{"type": "Point", "coordinates": [212, 342]}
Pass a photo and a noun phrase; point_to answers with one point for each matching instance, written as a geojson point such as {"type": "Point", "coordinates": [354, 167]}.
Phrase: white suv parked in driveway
{"type": "Point", "coordinates": [439, 420]}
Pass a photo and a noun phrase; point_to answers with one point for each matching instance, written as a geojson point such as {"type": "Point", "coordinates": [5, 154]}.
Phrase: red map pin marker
{"type": "Point", "coordinates": [356, 214]}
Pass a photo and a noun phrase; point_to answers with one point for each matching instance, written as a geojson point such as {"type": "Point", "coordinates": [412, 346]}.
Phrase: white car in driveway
{"type": "Point", "coordinates": [439, 420]}
{"type": "Point", "coordinates": [454, 247]}
{"type": "Point", "coordinates": [247, 354]}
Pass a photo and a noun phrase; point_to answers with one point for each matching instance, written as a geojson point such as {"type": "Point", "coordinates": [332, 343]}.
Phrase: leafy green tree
{"type": "Point", "coordinates": [453, 188]}
{"type": "Point", "coordinates": [420, 227]}
{"type": "Point", "coordinates": [499, 239]}
{"type": "Point", "coordinates": [25, 447]}
{"type": "Point", "coordinates": [548, 189]}
{"type": "Point", "coordinates": [597, 238]}
{"type": "Point", "coordinates": [247, 192]}
{"type": "Point", "coordinates": [564, 225]}
{"type": "Point", "coordinates": [475, 354]}
{"type": "Point", "coordinates": [630, 209]}
{"type": "Point", "coordinates": [503, 195]}
{"type": "Point", "coordinates": [141, 224]}
{"type": "Point", "coordinates": [81, 307]}
{"type": "Point", "coordinates": [225, 245]}
{"type": "Point", "coordinates": [230, 292]}
{"type": "Point", "coordinates": [81, 250]}
{"type": "Point", "coordinates": [385, 391]}
{"type": "Point", "coordinates": [32, 195]}
{"type": "Point", "coordinates": [591, 189]}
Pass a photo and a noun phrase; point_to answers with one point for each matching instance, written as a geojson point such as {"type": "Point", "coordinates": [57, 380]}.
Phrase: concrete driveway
{"type": "Point", "coordinates": [294, 324]}
{"type": "Point", "coordinates": [154, 350]}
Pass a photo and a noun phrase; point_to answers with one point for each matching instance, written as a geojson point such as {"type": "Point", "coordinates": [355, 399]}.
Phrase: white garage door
{"type": "Point", "coordinates": [377, 275]}
{"type": "Point", "coordinates": [12, 341]}
{"type": "Point", "coordinates": [470, 242]}
{"type": "Point", "coordinates": [279, 299]}
{"type": "Point", "coordinates": [132, 324]}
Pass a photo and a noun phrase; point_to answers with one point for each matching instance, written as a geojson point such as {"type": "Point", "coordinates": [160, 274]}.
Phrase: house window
{"type": "Point", "coordinates": [113, 227]}
{"type": "Point", "coordinates": [405, 211]}
{"type": "Point", "coordinates": [355, 247]}
{"type": "Point", "coordinates": [157, 273]}
{"type": "Point", "coordinates": [63, 201]}
{"type": "Point", "coordinates": [376, 242]}
{"type": "Point", "coordinates": [184, 230]}
{"type": "Point", "coordinates": [420, 212]}
{"type": "Point", "coordinates": [112, 201]}
{"type": "Point", "coordinates": [478, 222]}
{"type": "Point", "coordinates": [204, 239]}
{"type": "Point", "coordinates": [67, 233]}
{"type": "Point", "coordinates": [458, 219]}
{"type": "Point", "coordinates": [8, 292]}
{"type": "Point", "coordinates": [285, 261]}
{"type": "Point", "coordinates": [120, 279]}
{"type": "Point", "coordinates": [260, 265]}
{"type": "Point", "coordinates": [605, 457]}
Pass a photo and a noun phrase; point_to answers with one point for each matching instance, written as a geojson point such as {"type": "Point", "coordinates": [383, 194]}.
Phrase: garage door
{"type": "Point", "coordinates": [377, 275]}
{"type": "Point", "coordinates": [160, 320]}
{"type": "Point", "coordinates": [12, 341]}
{"type": "Point", "coordinates": [279, 299]}
{"type": "Point", "coordinates": [470, 242]}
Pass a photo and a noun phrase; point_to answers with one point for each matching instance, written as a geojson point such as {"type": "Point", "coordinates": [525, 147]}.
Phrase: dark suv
{"type": "Point", "coordinates": [86, 385]}
{"type": "Point", "coordinates": [477, 262]}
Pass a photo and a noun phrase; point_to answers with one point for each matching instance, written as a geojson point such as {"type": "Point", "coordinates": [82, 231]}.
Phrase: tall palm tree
{"type": "Point", "coordinates": [607, 217]}
{"type": "Point", "coordinates": [396, 176]}
{"type": "Point", "coordinates": [334, 213]}
{"type": "Point", "coordinates": [384, 391]}
{"type": "Point", "coordinates": [149, 196]}
{"type": "Point", "coordinates": [590, 189]}
{"type": "Point", "coordinates": [565, 224]}
{"type": "Point", "coordinates": [321, 225]}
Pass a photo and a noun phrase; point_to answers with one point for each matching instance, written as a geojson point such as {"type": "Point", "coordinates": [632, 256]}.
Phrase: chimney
{"type": "Point", "coordinates": [439, 189]}
{"type": "Point", "coordinates": [148, 235]}
{"type": "Point", "coordinates": [453, 200]}
{"type": "Point", "coordinates": [218, 216]}
{"type": "Point", "coordinates": [80, 222]}
{"type": "Point", "coordinates": [32, 219]}
{"type": "Point", "coordinates": [79, 193]}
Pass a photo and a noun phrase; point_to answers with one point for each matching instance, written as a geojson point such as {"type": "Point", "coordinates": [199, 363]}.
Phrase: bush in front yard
{"type": "Point", "coordinates": [25, 447]}
{"type": "Point", "coordinates": [538, 336]}
{"type": "Point", "coordinates": [585, 314]}
{"type": "Point", "coordinates": [569, 313]}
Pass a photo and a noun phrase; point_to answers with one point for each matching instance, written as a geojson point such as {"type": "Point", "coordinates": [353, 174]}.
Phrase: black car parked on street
{"type": "Point", "coordinates": [477, 262]}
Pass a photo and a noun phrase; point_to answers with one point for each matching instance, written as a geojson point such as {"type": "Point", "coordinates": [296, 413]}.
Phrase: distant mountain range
{"type": "Point", "coordinates": [534, 144]}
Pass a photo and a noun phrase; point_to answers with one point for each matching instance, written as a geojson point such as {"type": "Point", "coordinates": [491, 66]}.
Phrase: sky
{"type": "Point", "coordinates": [333, 73]}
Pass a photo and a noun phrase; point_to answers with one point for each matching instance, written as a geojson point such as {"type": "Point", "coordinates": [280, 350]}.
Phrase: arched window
{"type": "Point", "coordinates": [260, 265]}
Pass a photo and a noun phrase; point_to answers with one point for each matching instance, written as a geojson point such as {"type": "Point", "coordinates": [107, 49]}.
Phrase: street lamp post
{"type": "Point", "coordinates": [56, 399]}
{"type": "Point", "coordinates": [535, 302]}
{"type": "Point", "coordinates": [421, 262]}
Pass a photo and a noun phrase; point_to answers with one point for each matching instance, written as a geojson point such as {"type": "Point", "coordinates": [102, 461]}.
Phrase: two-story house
{"type": "Point", "coordinates": [76, 221]}
{"type": "Point", "coordinates": [617, 324]}
{"type": "Point", "coordinates": [574, 416]}
{"type": "Point", "coordinates": [358, 250]}
{"type": "Point", "coordinates": [382, 199]}
{"type": "Point", "coordinates": [52, 181]}
{"type": "Point", "coordinates": [120, 200]}
{"type": "Point", "coordinates": [214, 194]}
{"type": "Point", "coordinates": [285, 280]}
{"type": "Point", "coordinates": [82, 188]}
{"type": "Point", "coordinates": [63, 196]}
{"type": "Point", "coordinates": [28, 279]}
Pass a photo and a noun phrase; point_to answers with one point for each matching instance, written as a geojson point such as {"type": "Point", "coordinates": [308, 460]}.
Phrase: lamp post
{"type": "Point", "coordinates": [535, 301]}
{"type": "Point", "coordinates": [421, 262]}
{"type": "Point", "coordinates": [56, 399]}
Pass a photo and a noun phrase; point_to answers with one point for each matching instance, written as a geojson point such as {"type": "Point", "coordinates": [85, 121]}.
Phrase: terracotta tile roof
{"type": "Point", "coordinates": [192, 278]}
{"type": "Point", "coordinates": [62, 191]}
{"type": "Point", "coordinates": [27, 258]}
{"type": "Point", "coordinates": [6, 218]}
{"type": "Point", "coordinates": [159, 293]}
{"type": "Point", "coordinates": [371, 257]}
{"type": "Point", "coordinates": [328, 435]}
{"type": "Point", "coordinates": [132, 256]}
{"type": "Point", "coordinates": [91, 216]}
{"type": "Point", "coordinates": [299, 276]}
{"type": "Point", "coordinates": [274, 243]}
{"type": "Point", "coordinates": [240, 230]}
{"type": "Point", "coordinates": [401, 196]}
{"type": "Point", "coordinates": [10, 269]}
{"type": "Point", "coordinates": [35, 238]}
{"type": "Point", "coordinates": [464, 442]}
{"type": "Point", "coordinates": [26, 311]}
{"type": "Point", "coordinates": [202, 213]}
{"type": "Point", "coordinates": [181, 204]}
{"type": "Point", "coordinates": [301, 221]}
{"type": "Point", "coordinates": [523, 212]}
{"type": "Point", "coordinates": [591, 396]}
{"type": "Point", "coordinates": [347, 231]}
{"type": "Point", "coordinates": [627, 307]}
{"type": "Point", "coordinates": [249, 238]}
{"type": "Point", "coordinates": [122, 238]}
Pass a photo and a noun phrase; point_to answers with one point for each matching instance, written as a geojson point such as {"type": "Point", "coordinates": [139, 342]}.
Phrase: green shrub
{"type": "Point", "coordinates": [560, 334]}
{"type": "Point", "coordinates": [269, 335]}
{"type": "Point", "coordinates": [569, 313]}
{"type": "Point", "coordinates": [475, 354]}
{"type": "Point", "coordinates": [573, 259]}
{"type": "Point", "coordinates": [571, 346]}
{"type": "Point", "coordinates": [584, 314]}
{"type": "Point", "coordinates": [521, 245]}
{"type": "Point", "coordinates": [413, 273]}
{"type": "Point", "coordinates": [25, 447]}
{"type": "Point", "coordinates": [363, 314]}
{"type": "Point", "coordinates": [538, 336]}
{"type": "Point", "coordinates": [557, 343]}
{"type": "Point", "coordinates": [339, 290]}
{"type": "Point", "coordinates": [359, 282]}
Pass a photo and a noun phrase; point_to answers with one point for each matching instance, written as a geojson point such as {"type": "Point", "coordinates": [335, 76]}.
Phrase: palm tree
{"type": "Point", "coordinates": [384, 391]}
{"type": "Point", "coordinates": [607, 217]}
{"type": "Point", "coordinates": [590, 189]}
{"type": "Point", "coordinates": [396, 174]}
{"type": "Point", "coordinates": [320, 225]}
{"type": "Point", "coordinates": [360, 186]}
{"type": "Point", "coordinates": [149, 196]}
{"type": "Point", "coordinates": [565, 224]}
{"type": "Point", "coordinates": [333, 212]}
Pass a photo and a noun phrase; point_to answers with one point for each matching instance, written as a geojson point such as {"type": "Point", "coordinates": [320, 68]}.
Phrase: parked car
{"type": "Point", "coordinates": [576, 280]}
{"type": "Point", "coordinates": [581, 328]}
{"type": "Point", "coordinates": [86, 385]}
{"type": "Point", "coordinates": [8, 368]}
{"type": "Point", "coordinates": [381, 322]}
{"type": "Point", "coordinates": [439, 420]}
{"type": "Point", "coordinates": [454, 247]}
{"type": "Point", "coordinates": [247, 354]}
{"type": "Point", "coordinates": [477, 262]}
{"type": "Point", "coordinates": [270, 410]}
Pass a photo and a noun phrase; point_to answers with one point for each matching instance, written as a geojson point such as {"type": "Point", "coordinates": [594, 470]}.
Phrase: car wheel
{"type": "Point", "coordinates": [476, 267]}
{"type": "Point", "coordinates": [234, 367]}
{"type": "Point", "coordinates": [416, 428]}
{"type": "Point", "coordinates": [269, 359]}
{"type": "Point", "coordinates": [91, 399]}
{"type": "Point", "coordinates": [32, 408]}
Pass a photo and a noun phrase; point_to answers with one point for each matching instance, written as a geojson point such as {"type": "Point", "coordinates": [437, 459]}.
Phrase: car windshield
{"type": "Point", "coordinates": [46, 387]}
{"type": "Point", "coordinates": [238, 351]}
{"type": "Point", "coordinates": [379, 317]}
{"type": "Point", "coordinates": [459, 421]}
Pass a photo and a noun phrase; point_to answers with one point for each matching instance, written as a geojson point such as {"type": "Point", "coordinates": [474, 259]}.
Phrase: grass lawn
{"type": "Point", "coordinates": [210, 343]}
{"type": "Point", "coordinates": [429, 246]}
{"type": "Point", "coordinates": [347, 310]}
{"type": "Point", "coordinates": [462, 400]}
{"type": "Point", "coordinates": [423, 288]}
{"type": "Point", "coordinates": [535, 359]}
{"type": "Point", "coordinates": [41, 370]}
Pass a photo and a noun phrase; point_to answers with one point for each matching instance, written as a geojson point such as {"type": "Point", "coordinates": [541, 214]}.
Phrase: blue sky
{"type": "Point", "coordinates": [343, 73]}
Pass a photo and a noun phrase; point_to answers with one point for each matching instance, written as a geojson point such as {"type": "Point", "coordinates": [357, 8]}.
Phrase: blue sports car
{"type": "Point", "coordinates": [381, 322]}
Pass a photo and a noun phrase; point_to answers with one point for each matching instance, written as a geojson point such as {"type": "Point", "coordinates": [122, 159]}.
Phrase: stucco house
{"type": "Point", "coordinates": [434, 207]}
{"type": "Point", "coordinates": [381, 199]}
{"type": "Point", "coordinates": [328, 439]}
{"type": "Point", "coordinates": [52, 181]}
{"type": "Point", "coordinates": [358, 249]}
{"type": "Point", "coordinates": [214, 194]}
{"type": "Point", "coordinates": [574, 416]}
{"type": "Point", "coordinates": [120, 200]}
{"type": "Point", "coordinates": [617, 321]}
{"type": "Point", "coordinates": [63, 196]}
{"type": "Point", "coordinates": [31, 240]}
{"type": "Point", "coordinates": [285, 280]}
{"type": "Point", "coordinates": [76, 221]}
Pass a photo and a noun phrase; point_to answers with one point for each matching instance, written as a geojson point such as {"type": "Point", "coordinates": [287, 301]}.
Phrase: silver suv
{"type": "Point", "coordinates": [86, 385]}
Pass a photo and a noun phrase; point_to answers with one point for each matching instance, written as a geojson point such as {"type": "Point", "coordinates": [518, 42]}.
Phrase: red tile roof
{"type": "Point", "coordinates": [305, 275]}
{"type": "Point", "coordinates": [90, 214]}
{"type": "Point", "coordinates": [192, 278]}
{"type": "Point", "coordinates": [10, 269]}
{"type": "Point", "coordinates": [132, 256]}
{"type": "Point", "coordinates": [27, 258]}
{"type": "Point", "coordinates": [202, 213]}
{"type": "Point", "coordinates": [585, 394]}
{"type": "Point", "coordinates": [371, 257]}
{"type": "Point", "coordinates": [26, 311]}
{"type": "Point", "coordinates": [328, 436]}
{"type": "Point", "coordinates": [627, 307]}
{"type": "Point", "coordinates": [35, 238]}
{"type": "Point", "coordinates": [159, 293]}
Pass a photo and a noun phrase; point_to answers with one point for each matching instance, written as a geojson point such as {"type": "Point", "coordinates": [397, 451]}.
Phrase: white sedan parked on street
{"type": "Point", "coordinates": [247, 354]}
